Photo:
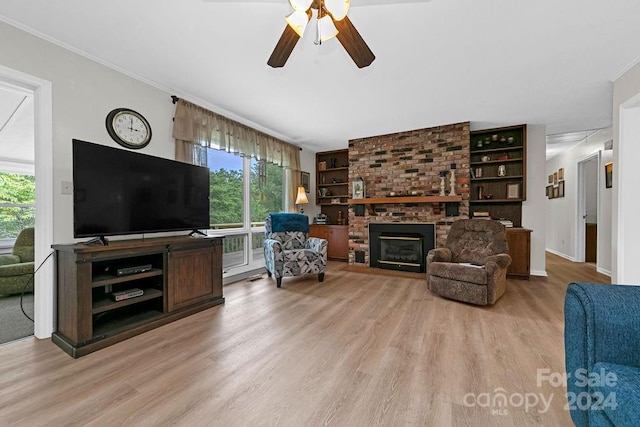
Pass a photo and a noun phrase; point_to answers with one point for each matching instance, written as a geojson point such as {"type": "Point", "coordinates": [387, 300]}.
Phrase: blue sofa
{"type": "Point", "coordinates": [602, 354]}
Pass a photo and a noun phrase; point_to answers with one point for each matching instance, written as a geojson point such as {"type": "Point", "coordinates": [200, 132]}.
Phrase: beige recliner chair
{"type": "Point", "coordinates": [473, 265]}
{"type": "Point", "coordinates": [16, 269]}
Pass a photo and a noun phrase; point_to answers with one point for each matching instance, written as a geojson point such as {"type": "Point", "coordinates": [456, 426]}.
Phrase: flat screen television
{"type": "Point", "coordinates": [121, 192]}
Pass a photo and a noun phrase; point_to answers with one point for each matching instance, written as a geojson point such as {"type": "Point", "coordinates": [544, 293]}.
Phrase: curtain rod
{"type": "Point", "coordinates": [175, 99]}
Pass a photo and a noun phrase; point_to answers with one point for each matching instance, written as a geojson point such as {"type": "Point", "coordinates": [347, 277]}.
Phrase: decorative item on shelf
{"type": "Point", "coordinates": [480, 192]}
{"type": "Point", "coordinates": [509, 140]}
{"type": "Point", "coordinates": [488, 196]}
{"type": "Point", "coordinates": [340, 219]}
{"type": "Point", "coordinates": [301, 199]}
{"type": "Point", "coordinates": [443, 174]}
{"type": "Point", "coordinates": [336, 181]}
{"type": "Point", "coordinates": [503, 139]}
{"type": "Point", "coordinates": [479, 143]}
{"type": "Point", "coordinates": [513, 191]}
{"type": "Point", "coordinates": [335, 201]}
{"type": "Point", "coordinates": [485, 158]}
{"type": "Point", "coordinates": [487, 141]}
{"type": "Point", "coordinates": [324, 192]}
{"type": "Point", "coordinates": [478, 172]}
{"type": "Point", "coordinates": [452, 180]}
{"type": "Point", "coordinates": [322, 166]}
{"type": "Point", "coordinates": [334, 162]}
{"type": "Point", "coordinates": [358, 188]}
{"type": "Point", "coordinates": [502, 170]}
{"type": "Point", "coordinates": [494, 137]}
{"type": "Point", "coordinates": [503, 157]}
{"type": "Point", "coordinates": [415, 193]}
{"type": "Point", "coordinates": [323, 179]}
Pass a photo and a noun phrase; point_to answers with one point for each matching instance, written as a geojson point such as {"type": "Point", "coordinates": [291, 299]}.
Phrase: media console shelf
{"type": "Point", "coordinates": [183, 275]}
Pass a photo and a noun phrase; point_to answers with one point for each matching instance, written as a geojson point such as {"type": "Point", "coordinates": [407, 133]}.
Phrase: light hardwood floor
{"type": "Point", "coordinates": [365, 347]}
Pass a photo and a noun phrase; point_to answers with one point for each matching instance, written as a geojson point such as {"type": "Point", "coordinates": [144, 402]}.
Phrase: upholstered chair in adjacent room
{"type": "Point", "coordinates": [16, 269]}
{"type": "Point", "coordinates": [288, 249]}
{"type": "Point", "coordinates": [472, 267]}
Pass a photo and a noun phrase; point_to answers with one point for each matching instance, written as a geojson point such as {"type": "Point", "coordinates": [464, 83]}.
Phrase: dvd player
{"type": "Point", "coordinates": [135, 269]}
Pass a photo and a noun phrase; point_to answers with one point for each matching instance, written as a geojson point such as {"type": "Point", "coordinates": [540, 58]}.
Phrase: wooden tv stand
{"type": "Point", "coordinates": [183, 275]}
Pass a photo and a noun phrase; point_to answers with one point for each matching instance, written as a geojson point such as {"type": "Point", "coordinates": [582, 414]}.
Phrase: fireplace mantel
{"type": "Point", "coordinates": [407, 199]}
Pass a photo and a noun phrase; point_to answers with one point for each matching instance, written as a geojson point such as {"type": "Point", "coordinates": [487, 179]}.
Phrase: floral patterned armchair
{"type": "Point", "coordinates": [16, 270]}
{"type": "Point", "coordinates": [288, 249]}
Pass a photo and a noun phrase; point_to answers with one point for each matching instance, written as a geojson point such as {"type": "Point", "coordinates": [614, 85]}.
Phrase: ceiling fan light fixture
{"type": "Point", "coordinates": [326, 29]}
{"type": "Point", "coordinates": [298, 21]}
{"type": "Point", "coordinates": [337, 8]}
{"type": "Point", "coordinates": [301, 5]}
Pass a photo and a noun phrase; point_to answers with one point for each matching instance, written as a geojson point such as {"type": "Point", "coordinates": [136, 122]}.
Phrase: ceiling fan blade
{"type": "Point", "coordinates": [353, 43]}
{"type": "Point", "coordinates": [283, 48]}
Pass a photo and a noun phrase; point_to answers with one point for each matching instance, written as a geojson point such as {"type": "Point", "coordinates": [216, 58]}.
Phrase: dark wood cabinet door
{"type": "Point", "coordinates": [519, 240]}
{"type": "Point", "coordinates": [194, 275]}
{"type": "Point", "coordinates": [338, 242]}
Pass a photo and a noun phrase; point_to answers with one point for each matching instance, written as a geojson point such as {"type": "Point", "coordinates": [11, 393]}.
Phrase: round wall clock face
{"type": "Point", "coordinates": [128, 128]}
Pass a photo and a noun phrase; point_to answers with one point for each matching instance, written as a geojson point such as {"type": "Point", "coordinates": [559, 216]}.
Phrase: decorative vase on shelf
{"type": "Point", "coordinates": [452, 180]}
{"type": "Point", "coordinates": [443, 174]}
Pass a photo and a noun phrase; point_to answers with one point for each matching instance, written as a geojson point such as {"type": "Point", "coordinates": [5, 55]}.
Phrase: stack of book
{"type": "Point", "coordinates": [481, 215]}
{"type": "Point", "coordinates": [506, 222]}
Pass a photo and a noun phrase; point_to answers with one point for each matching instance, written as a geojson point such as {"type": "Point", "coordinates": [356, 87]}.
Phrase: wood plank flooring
{"type": "Point", "coordinates": [366, 347]}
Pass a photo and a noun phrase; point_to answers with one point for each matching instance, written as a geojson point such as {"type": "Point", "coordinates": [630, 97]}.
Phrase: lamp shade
{"type": "Point", "coordinates": [298, 21]}
{"type": "Point", "coordinates": [301, 5]}
{"type": "Point", "coordinates": [301, 199]}
{"type": "Point", "coordinates": [326, 29]}
{"type": "Point", "coordinates": [337, 8]}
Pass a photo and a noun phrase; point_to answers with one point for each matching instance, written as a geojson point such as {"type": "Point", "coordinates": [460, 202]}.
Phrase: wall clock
{"type": "Point", "coordinates": [128, 128]}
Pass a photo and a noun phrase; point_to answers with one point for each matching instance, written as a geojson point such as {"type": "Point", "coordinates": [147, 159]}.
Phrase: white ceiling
{"type": "Point", "coordinates": [16, 127]}
{"type": "Point", "coordinates": [437, 62]}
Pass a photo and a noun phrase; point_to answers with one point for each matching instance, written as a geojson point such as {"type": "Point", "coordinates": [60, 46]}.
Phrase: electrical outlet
{"type": "Point", "coordinates": [66, 187]}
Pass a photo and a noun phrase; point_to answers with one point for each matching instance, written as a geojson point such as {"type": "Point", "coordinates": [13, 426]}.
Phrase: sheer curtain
{"type": "Point", "coordinates": [196, 128]}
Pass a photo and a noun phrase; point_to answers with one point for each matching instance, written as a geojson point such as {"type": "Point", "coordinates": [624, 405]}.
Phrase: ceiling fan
{"type": "Point", "coordinates": [331, 21]}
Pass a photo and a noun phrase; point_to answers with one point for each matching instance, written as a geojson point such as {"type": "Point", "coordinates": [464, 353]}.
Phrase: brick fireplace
{"type": "Point", "coordinates": [405, 163]}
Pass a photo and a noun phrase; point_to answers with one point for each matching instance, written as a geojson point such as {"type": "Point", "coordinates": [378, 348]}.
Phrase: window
{"type": "Point", "coordinates": [235, 179]}
{"type": "Point", "coordinates": [17, 203]}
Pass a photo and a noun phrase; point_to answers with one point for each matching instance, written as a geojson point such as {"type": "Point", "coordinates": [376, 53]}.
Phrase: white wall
{"type": "Point", "coordinates": [562, 213]}
{"type": "Point", "coordinates": [626, 204]}
{"type": "Point", "coordinates": [533, 208]}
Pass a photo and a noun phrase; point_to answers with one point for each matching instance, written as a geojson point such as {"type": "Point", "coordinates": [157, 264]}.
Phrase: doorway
{"type": "Point", "coordinates": [43, 146]}
{"type": "Point", "coordinates": [588, 209]}
{"type": "Point", "coordinates": [17, 211]}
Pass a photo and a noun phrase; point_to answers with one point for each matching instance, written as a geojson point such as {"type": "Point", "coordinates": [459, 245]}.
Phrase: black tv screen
{"type": "Point", "coordinates": [121, 192]}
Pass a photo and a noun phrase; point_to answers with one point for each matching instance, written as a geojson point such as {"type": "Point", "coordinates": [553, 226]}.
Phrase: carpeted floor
{"type": "Point", "coordinates": [13, 324]}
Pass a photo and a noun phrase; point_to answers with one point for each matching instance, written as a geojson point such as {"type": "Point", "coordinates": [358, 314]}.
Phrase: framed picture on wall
{"type": "Point", "coordinates": [550, 190]}
{"type": "Point", "coordinates": [555, 178]}
{"type": "Point", "coordinates": [608, 175]}
{"type": "Point", "coordinates": [561, 189]}
{"type": "Point", "coordinates": [556, 192]}
{"type": "Point", "coordinates": [561, 174]}
{"type": "Point", "coordinates": [550, 180]}
{"type": "Point", "coordinates": [305, 179]}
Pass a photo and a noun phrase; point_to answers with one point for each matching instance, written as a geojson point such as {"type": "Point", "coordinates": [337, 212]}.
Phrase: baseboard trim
{"type": "Point", "coordinates": [560, 254]}
{"type": "Point", "coordinates": [540, 273]}
{"type": "Point", "coordinates": [603, 271]}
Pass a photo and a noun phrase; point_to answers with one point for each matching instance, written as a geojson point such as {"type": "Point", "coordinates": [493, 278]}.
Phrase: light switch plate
{"type": "Point", "coordinates": [66, 187]}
